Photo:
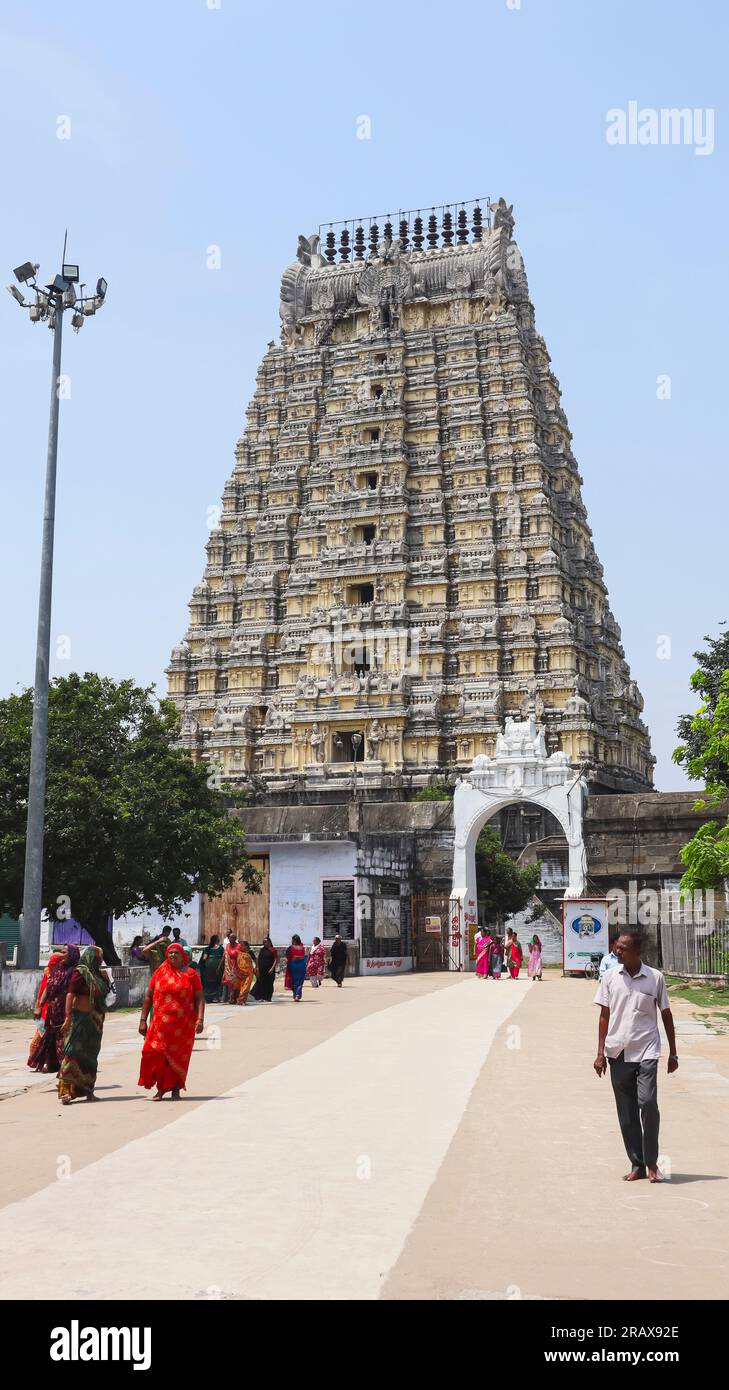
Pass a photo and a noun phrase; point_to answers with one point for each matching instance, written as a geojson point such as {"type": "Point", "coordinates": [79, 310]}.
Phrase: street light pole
{"type": "Point", "coordinates": [29, 945]}
{"type": "Point", "coordinates": [49, 305]}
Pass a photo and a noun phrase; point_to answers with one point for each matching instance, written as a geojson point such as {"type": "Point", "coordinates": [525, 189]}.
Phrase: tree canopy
{"type": "Point", "coordinates": [130, 821]}
{"type": "Point", "coordinates": [505, 887]}
{"type": "Point", "coordinates": [437, 791]}
{"type": "Point", "coordinates": [704, 752]}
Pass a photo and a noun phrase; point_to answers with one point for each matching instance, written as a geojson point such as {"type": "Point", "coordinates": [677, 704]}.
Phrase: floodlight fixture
{"type": "Point", "coordinates": [26, 272]}
{"type": "Point", "coordinates": [101, 287]}
{"type": "Point", "coordinates": [15, 292]}
{"type": "Point", "coordinates": [70, 273]}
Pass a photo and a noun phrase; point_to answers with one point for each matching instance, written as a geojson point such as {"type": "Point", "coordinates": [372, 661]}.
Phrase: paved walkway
{"type": "Point", "coordinates": [415, 1137]}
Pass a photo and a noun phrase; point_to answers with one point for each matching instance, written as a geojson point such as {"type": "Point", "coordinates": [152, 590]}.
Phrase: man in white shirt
{"type": "Point", "coordinates": [610, 961]}
{"type": "Point", "coordinates": [628, 1037]}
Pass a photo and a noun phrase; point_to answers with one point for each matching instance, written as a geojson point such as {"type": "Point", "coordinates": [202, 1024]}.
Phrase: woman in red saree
{"type": "Point", "coordinates": [46, 1049]}
{"type": "Point", "coordinates": [316, 963]}
{"type": "Point", "coordinates": [516, 956]}
{"type": "Point", "coordinates": [176, 991]}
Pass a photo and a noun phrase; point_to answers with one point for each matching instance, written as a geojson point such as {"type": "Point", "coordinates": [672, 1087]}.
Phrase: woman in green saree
{"type": "Point", "coordinates": [83, 1027]}
{"type": "Point", "coordinates": [211, 969]}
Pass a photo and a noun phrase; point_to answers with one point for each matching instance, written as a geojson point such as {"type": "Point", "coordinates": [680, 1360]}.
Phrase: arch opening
{"type": "Point", "coordinates": [520, 774]}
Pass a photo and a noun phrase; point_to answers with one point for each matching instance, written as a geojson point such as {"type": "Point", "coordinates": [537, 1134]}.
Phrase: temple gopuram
{"type": "Point", "coordinates": [403, 564]}
{"type": "Point", "coordinates": [404, 558]}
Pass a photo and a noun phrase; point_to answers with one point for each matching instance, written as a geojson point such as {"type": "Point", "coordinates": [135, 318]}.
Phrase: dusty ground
{"type": "Point", "coordinates": [416, 1137]}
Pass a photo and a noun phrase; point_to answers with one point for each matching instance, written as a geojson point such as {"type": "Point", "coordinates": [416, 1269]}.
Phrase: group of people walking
{"type": "Point", "coordinates": [231, 971]}
{"type": "Point", "coordinates": [75, 992]}
{"type": "Point", "coordinates": [69, 1014]}
{"type": "Point", "coordinates": [494, 952]}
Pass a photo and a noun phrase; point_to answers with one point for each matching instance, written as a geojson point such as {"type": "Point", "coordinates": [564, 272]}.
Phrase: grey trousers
{"type": "Point", "coordinates": [636, 1095]}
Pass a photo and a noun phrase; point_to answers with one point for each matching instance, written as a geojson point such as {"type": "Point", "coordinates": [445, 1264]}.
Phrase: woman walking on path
{"type": "Point", "coordinates": [535, 958]}
{"type": "Point", "coordinates": [154, 953]}
{"type": "Point", "coordinates": [229, 983]}
{"type": "Point", "coordinates": [245, 973]}
{"type": "Point", "coordinates": [316, 963]}
{"type": "Point", "coordinates": [266, 972]}
{"type": "Point", "coordinates": [175, 989]}
{"type": "Point", "coordinates": [211, 966]}
{"type": "Point", "coordinates": [46, 1049]}
{"type": "Point", "coordinates": [295, 967]}
{"type": "Point", "coordinates": [83, 1026]}
{"type": "Point", "coordinates": [484, 944]}
{"type": "Point", "coordinates": [516, 956]}
{"type": "Point", "coordinates": [497, 958]}
{"type": "Point", "coordinates": [338, 959]}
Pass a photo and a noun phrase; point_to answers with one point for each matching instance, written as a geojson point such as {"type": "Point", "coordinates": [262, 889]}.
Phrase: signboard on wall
{"type": "Point", "coordinates": [584, 932]}
{"type": "Point", "coordinates": [470, 926]}
{"type": "Point", "coordinates": [387, 918]}
{"type": "Point", "coordinates": [434, 925]}
{"type": "Point", "coordinates": [386, 965]}
{"type": "Point", "coordinates": [338, 908]}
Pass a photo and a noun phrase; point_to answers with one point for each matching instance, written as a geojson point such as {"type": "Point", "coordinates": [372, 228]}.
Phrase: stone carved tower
{"type": "Point", "coordinates": [404, 560]}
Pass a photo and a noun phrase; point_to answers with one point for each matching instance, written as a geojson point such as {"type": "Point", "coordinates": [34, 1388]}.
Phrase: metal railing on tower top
{"type": "Point", "coordinates": [448, 224]}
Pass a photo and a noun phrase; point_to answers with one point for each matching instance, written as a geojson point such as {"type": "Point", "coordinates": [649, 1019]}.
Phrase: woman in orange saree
{"type": "Point", "coordinates": [229, 978]}
{"type": "Point", "coordinates": [245, 973]}
{"type": "Point", "coordinates": [179, 1013]}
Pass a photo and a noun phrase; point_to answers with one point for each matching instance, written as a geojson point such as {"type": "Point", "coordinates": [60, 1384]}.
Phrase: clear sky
{"type": "Point", "coordinates": [235, 125]}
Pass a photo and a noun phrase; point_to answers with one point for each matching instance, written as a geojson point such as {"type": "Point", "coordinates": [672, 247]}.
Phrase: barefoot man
{"type": "Point", "coordinates": [628, 1037]}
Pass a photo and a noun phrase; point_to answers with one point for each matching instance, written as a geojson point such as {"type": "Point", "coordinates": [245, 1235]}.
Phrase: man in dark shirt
{"type": "Point", "coordinates": [338, 959]}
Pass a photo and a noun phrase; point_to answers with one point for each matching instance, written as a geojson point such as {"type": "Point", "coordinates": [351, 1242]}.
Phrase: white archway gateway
{"type": "Point", "coordinates": [520, 770]}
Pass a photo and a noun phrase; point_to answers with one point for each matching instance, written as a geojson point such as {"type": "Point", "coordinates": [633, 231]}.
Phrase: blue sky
{"type": "Point", "coordinates": [237, 127]}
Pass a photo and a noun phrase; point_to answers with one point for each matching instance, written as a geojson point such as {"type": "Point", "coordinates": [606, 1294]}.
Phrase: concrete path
{"type": "Point", "coordinates": [529, 1202]}
{"type": "Point", "coordinates": [415, 1137]}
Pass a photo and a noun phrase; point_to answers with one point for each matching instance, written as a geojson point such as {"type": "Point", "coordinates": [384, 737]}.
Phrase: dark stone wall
{"type": "Point", "coordinates": [641, 836]}
{"type": "Point", "coordinates": [631, 839]}
{"type": "Point", "coordinates": [627, 836]}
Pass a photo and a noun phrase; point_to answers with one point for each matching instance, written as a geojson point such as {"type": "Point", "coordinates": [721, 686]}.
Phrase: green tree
{"type": "Point", "coordinates": [437, 791]}
{"type": "Point", "coordinates": [131, 822]}
{"type": "Point", "coordinates": [704, 752]}
{"type": "Point", "coordinates": [505, 887]}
